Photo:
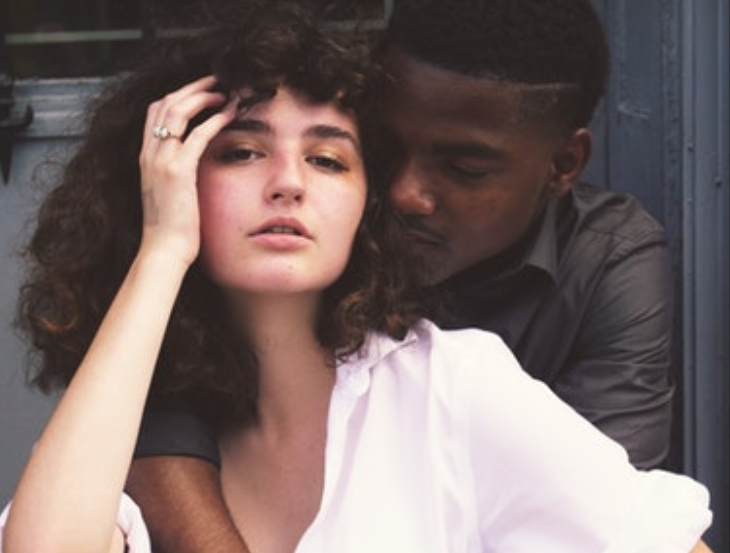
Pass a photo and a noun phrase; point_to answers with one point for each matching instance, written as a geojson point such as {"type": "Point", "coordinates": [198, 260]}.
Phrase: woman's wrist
{"type": "Point", "coordinates": [163, 260]}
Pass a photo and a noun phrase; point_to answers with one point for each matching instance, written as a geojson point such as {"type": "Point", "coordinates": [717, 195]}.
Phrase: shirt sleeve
{"type": "Point", "coordinates": [3, 521]}
{"type": "Point", "coordinates": [175, 431]}
{"type": "Point", "coordinates": [619, 374]}
{"type": "Point", "coordinates": [133, 527]}
{"type": "Point", "coordinates": [546, 480]}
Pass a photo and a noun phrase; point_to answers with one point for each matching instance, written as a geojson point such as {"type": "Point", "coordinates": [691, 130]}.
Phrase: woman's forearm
{"type": "Point", "coordinates": [701, 547]}
{"type": "Point", "coordinates": [68, 496]}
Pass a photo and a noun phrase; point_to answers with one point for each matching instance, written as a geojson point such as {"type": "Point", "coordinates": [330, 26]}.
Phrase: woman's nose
{"type": "Point", "coordinates": [287, 183]}
{"type": "Point", "coordinates": [287, 193]}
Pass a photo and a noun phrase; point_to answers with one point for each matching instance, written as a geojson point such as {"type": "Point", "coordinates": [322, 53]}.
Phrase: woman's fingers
{"type": "Point", "coordinates": [200, 136]}
{"type": "Point", "coordinates": [168, 117]}
{"type": "Point", "coordinates": [176, 109]}
{"type": "Point", "coordinates": [169, 162]}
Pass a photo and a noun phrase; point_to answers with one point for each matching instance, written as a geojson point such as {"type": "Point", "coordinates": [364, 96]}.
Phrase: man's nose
{"type": "Point", "coordinates": [409, 194]}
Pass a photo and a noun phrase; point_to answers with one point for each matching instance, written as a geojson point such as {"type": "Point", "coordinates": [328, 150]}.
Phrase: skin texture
{"type": "Point", "coordinates": [471, 176]}
{"type": "Point", "coordinates": [200, 520]}
{"type": "Point", "coordinates": [273, 168]}
{"type": "Point", "coordinates": [179, 479]}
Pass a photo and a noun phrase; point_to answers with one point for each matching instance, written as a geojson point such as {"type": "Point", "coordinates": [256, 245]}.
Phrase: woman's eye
{"type": "Point", "coordinates": [329, 163]}
{"type": "Point", "coordinates": [240, 154]}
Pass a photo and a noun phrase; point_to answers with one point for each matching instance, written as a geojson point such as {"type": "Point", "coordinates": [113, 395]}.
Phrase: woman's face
{"type": "Point", "coordinates": [282, 190]}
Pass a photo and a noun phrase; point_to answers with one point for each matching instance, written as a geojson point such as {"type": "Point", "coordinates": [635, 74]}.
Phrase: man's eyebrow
{"type": "Point", "coordinates": [331, 131]}
{"type": "Point", "coordinates": [468, 149]}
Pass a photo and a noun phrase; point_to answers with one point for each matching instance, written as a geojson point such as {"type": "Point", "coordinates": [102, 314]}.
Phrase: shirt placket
{"type": "Point", "coordinates": [352, 383]}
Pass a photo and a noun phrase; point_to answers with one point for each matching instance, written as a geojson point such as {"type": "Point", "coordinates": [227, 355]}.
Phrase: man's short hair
{"type": "Point", "coordinates": [551, 45]}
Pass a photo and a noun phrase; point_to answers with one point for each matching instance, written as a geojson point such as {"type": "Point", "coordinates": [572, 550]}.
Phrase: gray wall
{"type": "Point", "coordinates": [21, 411]}
{"type": "Point", "coordinates": [58, 107]}
{"type": "Point", "coordinates": [662, 135]}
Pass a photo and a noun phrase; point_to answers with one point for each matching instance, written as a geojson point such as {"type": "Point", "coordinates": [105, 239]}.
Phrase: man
{"type": "Point", "coordinates": [489, 107]}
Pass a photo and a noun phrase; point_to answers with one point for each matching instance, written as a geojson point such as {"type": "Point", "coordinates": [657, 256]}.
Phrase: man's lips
{"type": "Point", "coordinates": [423, 235]}
{"type": "Point", "coordinates": [417, 232]}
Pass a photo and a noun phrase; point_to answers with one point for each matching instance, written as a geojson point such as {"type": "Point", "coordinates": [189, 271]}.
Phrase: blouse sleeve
{"type": "Point", "coordinates": [132, 524]}
{"type": "Point", "coordinates": [546, 480]}
{"type": "Point", "coordinates": [129, 520]}
{"type": "Point", "coordinates": [3, 520]}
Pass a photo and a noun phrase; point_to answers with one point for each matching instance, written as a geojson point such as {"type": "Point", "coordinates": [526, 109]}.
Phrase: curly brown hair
{"type": "Point", "coordinates": [89, 227]}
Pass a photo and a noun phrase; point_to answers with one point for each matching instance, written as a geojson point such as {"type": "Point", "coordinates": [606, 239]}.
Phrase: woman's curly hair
{"type": "Point", "coordinates": [89, 227]}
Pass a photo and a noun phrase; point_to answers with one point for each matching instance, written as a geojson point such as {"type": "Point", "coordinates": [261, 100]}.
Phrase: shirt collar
{"type": "Point", "coordinates": [354, 373]}
{"type": "Point", "coordinates": [538, 250]}
{"type": "Point", "coordinates": [543, 251]}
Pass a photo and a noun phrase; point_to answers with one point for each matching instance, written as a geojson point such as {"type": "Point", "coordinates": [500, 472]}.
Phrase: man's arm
{"type": "Point", "coordinates": [183, 506]}
{"type": "Point", "coordinates": [175, 481]}
{"type": "Point", "coordinates": [619, 376]}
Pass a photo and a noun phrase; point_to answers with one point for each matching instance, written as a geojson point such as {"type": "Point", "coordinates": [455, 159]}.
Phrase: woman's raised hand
{"type": "Point", "coordinates": [169, 162]}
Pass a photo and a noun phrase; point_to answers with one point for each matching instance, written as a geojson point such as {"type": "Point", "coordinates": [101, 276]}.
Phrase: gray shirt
{"type": "Point", "coordinates": [586, 304]}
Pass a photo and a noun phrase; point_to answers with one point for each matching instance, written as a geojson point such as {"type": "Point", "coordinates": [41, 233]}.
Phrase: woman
{"type": "Point", "coordinates": [263, 286]}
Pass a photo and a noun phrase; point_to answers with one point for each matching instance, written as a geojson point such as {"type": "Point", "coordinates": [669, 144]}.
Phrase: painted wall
{"type": "Point", "coordinates": [663, 136]}
{"type": "Point", "coordinates": [59, 108]}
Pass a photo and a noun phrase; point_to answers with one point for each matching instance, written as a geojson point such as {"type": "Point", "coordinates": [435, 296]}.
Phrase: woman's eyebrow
{"type": "Point", "coordinates": [248, 125]}
{"type": "Point", "coordinates": [331, 131]}
{"type": "Point", "coordinates": [315, 131]}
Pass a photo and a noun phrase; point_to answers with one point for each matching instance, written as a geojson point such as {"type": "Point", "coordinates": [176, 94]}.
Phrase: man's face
{"type": "Point", "coordinates": [470, 175]}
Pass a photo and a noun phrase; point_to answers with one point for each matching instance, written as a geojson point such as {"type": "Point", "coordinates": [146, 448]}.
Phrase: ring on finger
{"type": "Point", "coordinates": [161, 132]}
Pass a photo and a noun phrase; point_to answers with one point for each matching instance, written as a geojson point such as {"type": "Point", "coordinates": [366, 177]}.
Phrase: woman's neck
{"type": "Point", "coordinates": [296, 373]}
{"type": "Point", "coordinates": [272, 472]}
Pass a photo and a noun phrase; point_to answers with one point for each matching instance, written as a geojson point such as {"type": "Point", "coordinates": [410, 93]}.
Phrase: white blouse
{"type": "Point", "coordinates": [442, 444]}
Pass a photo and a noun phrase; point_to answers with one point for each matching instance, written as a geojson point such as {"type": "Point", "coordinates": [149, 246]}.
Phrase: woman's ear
{"type": "Point", "coordinates": [569, 160]}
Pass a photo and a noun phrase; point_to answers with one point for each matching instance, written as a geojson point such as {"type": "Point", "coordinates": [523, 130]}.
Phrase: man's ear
{"type": "Point", "coordinates": [569, 160]}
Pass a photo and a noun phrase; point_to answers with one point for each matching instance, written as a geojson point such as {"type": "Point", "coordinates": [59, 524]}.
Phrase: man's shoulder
{"type": "Point", "coordinates": [617, 214]}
